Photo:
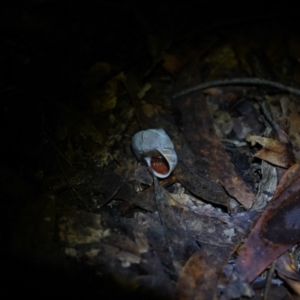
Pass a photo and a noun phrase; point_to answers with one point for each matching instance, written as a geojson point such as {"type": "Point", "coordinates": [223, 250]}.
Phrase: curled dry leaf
{"type": "Point", "coordinates": [275, 152]}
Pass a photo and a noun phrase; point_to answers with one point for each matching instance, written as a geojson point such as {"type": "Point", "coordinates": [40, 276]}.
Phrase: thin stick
{"type": "Point", "coordinates": [269, 281]}
{"type": "Point", "coordinates": [238, 81]}
{"type": "Point", "coordinates": [110, 197]}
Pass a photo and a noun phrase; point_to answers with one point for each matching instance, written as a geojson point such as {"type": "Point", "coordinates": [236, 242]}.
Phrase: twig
{"type": "Point", "coordinates": [238, 81]}
{"type": "Point", "coordinates": [269, 280]}
{"type": "Point", "coordinates": [110, 197]}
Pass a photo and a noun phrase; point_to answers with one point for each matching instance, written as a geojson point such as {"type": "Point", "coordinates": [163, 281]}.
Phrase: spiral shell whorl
{"type": "Point", "coordinates": [156, 148]}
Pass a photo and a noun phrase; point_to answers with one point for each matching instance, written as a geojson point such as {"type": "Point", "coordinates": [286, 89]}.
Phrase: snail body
{"type": "Point", "coordinates": [154, 147]}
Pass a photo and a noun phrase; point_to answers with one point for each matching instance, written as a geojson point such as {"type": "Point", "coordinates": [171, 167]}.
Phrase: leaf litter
{"type": "Point", "coordinates": [230, 208]}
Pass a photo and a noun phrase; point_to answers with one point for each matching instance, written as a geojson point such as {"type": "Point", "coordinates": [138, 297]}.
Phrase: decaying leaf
{"type": "Point", "coordinates": [268, 143]}
{"type": "Point", "coordinates": [167, 238]}
{"type": "Point", "coordinates": [277, 230]}
{"type": "Point", "coordinates": [290, 176]}
{"type": "Point", "coordinates": [280, 159]}
{"type": "Point", "coordinates": [199, 276]}
{"type": "Point", "coordinates": [287, 266]}
{"type": "Point", "coordinates": [201, 139]}
{"type": "Point", "coordinates": [180, 241]}
{"type": "Point", "coordinates": [288, 269]}
{"type": "Point", "coordinates": [218, 235]}
{"type": "Point", "coordinates": [275, 152]}
{"type": "Point", "coordinates": [199, 184]}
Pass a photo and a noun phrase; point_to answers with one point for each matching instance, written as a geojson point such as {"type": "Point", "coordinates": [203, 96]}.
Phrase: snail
{"type": "Point", "coordinates": [154, 147]}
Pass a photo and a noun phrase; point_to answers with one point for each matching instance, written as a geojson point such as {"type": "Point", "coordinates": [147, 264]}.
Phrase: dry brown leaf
{"type": "Point", "coordinates": [275, 152]}
{"type": "Point", "coordinates": [267, 143]}
{"type": "Point", "coordinates": [283, 159]}
{"type": "Point", "coordinates": [291, 175]}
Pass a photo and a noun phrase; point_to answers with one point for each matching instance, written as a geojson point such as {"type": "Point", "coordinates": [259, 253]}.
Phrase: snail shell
{"type": "Point", "coordinates": [155, 148]}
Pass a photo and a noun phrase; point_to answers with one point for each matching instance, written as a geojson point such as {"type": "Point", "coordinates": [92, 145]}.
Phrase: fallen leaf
{"type": "Point", "coordinates": [209, 190]}
{"type": "Point", "coordinates": [273, 151]}
{"type": "Point", "coordinates": [287, 266]}
{"type": "Point", "coordinates": [281, 159]}
{"type": "Point", "coordinates": [267, 143]}
{"type": "Point", "coordinates": [291, 175]}
{"type": "Point", "coordinates": [277, 230]}
{"type": "Point", "coordinates": [180, 241]}
{"type": "Point", "coordinates": [199, 276]}
{"type": "Point", "coordinates": [201, 138]}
